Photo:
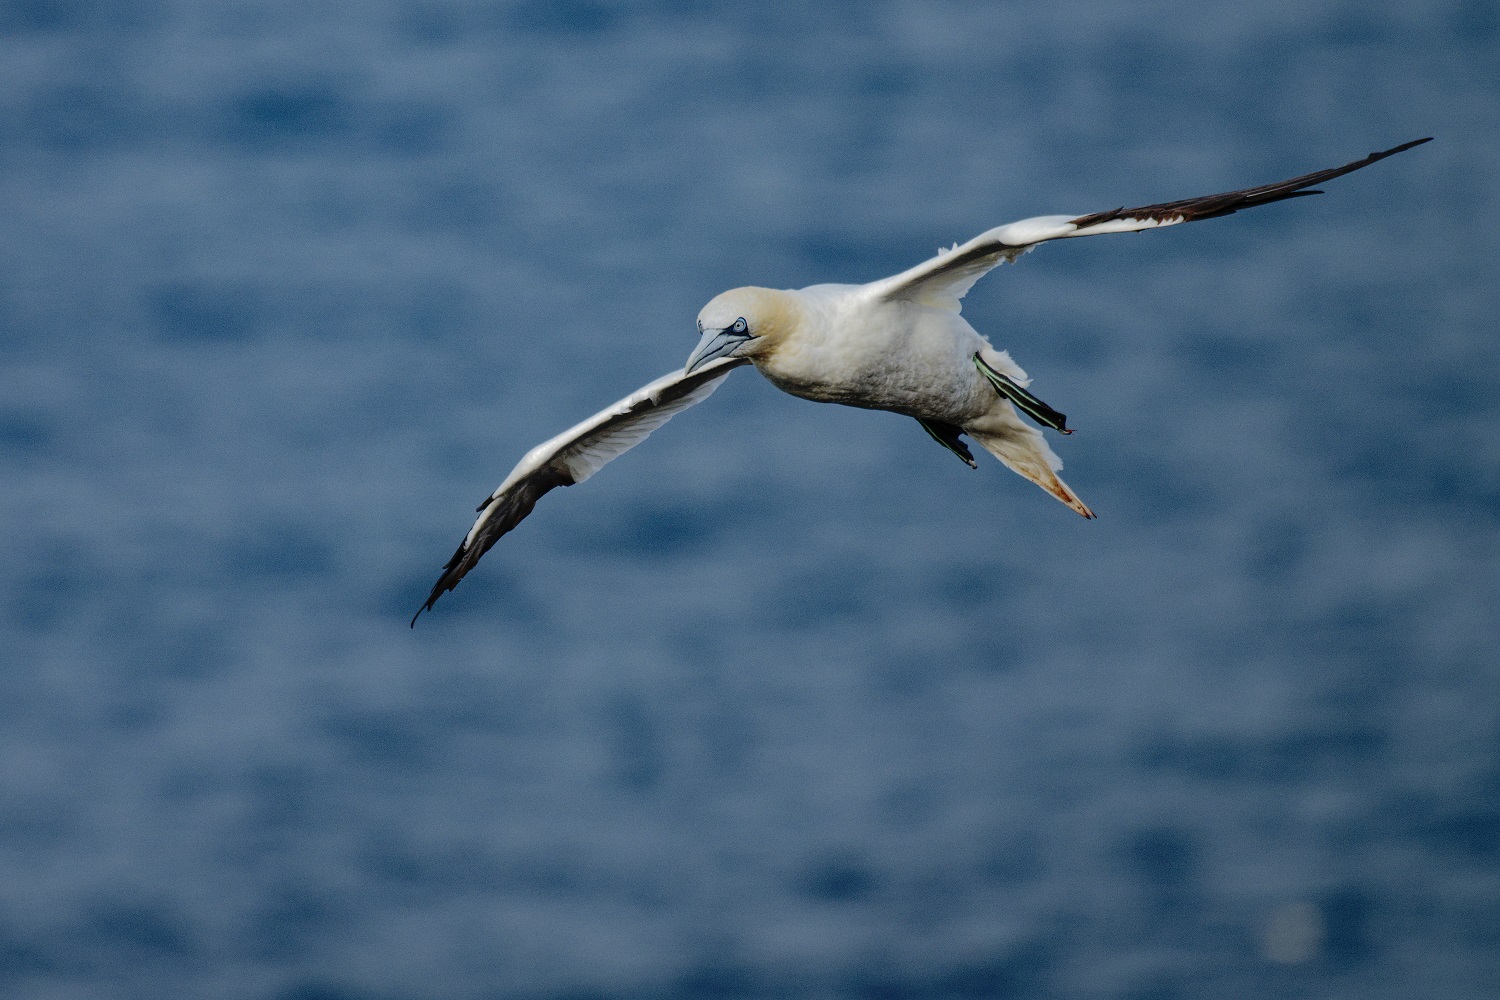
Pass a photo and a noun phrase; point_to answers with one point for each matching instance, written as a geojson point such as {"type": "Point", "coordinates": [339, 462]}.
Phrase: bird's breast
{"type": "Point", "coordinates": [909, 360]}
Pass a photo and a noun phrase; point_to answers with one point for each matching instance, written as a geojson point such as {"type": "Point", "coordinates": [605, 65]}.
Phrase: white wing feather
{"type": "Point", "coordinates": [575, 455]}
{"type": "Point", "coordinates": [942, 281]}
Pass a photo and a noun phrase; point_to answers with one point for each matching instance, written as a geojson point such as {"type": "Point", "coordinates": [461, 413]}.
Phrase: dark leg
{"type": "Point", "coordinates": [1023, 400]}
{"type": "Point", "coordinates": [947, 436]}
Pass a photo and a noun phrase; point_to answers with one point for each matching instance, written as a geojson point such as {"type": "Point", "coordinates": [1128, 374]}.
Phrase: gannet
{"type": "Point", "coordinates": [897, 344]}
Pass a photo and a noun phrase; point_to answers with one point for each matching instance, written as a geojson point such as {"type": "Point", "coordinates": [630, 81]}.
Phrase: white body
{"type": "Point", "coordinates": [859, 350]}
{"type": "Point", "coordinates": [898, 344]}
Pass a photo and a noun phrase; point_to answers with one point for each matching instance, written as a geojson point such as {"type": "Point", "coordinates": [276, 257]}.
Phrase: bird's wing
{"type": "Point", "coordinates": [573, 456]}
{"type": "Point", "coordinates": [944, 279]}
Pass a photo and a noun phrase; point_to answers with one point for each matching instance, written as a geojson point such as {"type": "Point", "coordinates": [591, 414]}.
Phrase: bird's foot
{"type": "Point", "coordinates": [947, 435]}
{"type": "Point", "coordinates": [1023, 400]}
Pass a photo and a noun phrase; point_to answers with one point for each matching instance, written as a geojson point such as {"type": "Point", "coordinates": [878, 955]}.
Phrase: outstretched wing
{"type": "Point", "coordinates": [573, 456]}
{"type": "Point", "coordinates": [944, 280]}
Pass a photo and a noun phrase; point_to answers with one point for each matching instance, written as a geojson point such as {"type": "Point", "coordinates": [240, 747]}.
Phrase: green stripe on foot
{"type": "Point", "coordinates": [1023, 400]}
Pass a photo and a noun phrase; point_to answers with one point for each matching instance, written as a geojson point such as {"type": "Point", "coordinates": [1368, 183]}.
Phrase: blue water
{"type": "Point", "coordinates": [788, 702]}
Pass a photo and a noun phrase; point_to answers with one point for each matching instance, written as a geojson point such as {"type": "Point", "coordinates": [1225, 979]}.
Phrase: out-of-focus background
{"type": "Point", "coordinates": [788, 702]}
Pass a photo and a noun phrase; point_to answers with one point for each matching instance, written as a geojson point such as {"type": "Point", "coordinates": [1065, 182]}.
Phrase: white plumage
{"type": "Point", "coordinates": [897, 344]}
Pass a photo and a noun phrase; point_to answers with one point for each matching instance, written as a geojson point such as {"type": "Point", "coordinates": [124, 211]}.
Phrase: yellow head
{"type": "Point", "coordinates": [744, 323]}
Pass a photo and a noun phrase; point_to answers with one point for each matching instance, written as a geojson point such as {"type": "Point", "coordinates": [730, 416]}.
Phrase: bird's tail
{"type": "Point", "coordinates": [1025, 452]}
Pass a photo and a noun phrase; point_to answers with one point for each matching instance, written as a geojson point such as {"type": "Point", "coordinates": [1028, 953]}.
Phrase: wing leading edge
{"type": "Point", "coordinates": [945, 279]}
{"type": "Point", "coordinates": [573, 456]}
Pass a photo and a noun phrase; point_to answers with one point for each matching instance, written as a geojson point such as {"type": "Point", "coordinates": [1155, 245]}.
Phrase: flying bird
{"type": "Point", "coordinates": [897, 344]}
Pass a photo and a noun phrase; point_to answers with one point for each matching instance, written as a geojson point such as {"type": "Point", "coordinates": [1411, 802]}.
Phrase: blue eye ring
{"type": "Point", "coordinates": [740, 326]}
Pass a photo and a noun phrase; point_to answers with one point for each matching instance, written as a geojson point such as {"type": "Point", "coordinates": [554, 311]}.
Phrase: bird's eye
{"type": "Point", "coordinates": [739, 325]}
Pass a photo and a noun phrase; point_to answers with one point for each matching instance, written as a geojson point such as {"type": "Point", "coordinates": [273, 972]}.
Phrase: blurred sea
{"type": "Point", "coordinates": [788, 702]}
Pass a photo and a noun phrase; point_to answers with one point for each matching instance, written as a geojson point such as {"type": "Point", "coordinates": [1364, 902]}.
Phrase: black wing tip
{"type": "Point", "coordinates": [440, 588]}
{"type": "Point", "coordinates": [1382, 154]}
{"type": "Point", "coordinates": [1401, 148]}
{"type": "Point", "coordinates": [437, 591]}
{"type": "Point", "coordinates": [445, 583]}
{"type": "Point", "coordinates": [1228, 203]}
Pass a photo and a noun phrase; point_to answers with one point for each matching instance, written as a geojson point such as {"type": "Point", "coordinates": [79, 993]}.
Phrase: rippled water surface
{"type": "Point", "coordinates": [787, 703]}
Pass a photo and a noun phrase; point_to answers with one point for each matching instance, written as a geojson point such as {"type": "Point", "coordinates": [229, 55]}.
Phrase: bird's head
{"type": "Point", "coordinates": [743, 323]}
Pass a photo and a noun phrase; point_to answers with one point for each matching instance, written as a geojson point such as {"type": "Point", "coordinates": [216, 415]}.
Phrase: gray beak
{"type": "Point", "coordinates": [715, 344]}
